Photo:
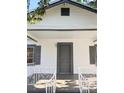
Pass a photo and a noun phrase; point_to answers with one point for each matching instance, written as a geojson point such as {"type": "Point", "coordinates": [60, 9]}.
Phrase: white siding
{"type": "Point", "coordinates": [49, 54]}
{"type": "Point", "coordinates": [79, 19]}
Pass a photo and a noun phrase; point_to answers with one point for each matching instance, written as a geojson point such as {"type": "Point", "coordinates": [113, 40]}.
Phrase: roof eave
{"type": "Point", "coordinates": [72, 3]}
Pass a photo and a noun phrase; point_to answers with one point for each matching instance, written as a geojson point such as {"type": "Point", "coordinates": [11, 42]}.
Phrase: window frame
{"type": "Point", "coordinates": [31, 46]}
{"type": "Point", "coordinates": [36, 54]}
{"type": "Point", "coordinates": [93, 55]}
{"type": "Point", "coordinates": [66, 11]}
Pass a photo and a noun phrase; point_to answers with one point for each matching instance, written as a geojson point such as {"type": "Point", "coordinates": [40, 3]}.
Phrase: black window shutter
{"type": "Point", "coordinates": [37, 55]}
{"type": "Point", "coordinates": [92, 54]}
{"type": "Point", "coordinates": [95, 54]}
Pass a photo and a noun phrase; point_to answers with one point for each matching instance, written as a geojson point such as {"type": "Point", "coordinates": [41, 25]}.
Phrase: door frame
{"type": "Point", "coordinates": [58, 56]}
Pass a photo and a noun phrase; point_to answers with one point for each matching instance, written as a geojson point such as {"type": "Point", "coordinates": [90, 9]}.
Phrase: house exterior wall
{"type": "Point", "coordinates": [49, 55]}
{"type": "Point", "coordinates": [79, 19]}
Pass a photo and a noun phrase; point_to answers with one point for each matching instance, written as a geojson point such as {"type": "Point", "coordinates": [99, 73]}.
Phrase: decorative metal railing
{"type": "Point", "coordinates": [49, 79]}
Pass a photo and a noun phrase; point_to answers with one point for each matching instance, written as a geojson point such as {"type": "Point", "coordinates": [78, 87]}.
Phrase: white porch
{"type": "Point", "coordinates": [48, 41]}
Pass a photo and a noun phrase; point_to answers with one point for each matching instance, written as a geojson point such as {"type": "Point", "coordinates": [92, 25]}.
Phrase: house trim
{"type": "Point", "coordinates": [72, 3]}
{"type": "Point", "coordinates": [32, 38]}
{"type": "Point", "coordinates": [92, 29]}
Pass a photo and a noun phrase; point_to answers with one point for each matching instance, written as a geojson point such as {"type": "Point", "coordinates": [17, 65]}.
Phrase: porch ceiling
{"type": "Point", "coordinates": [63, 34]}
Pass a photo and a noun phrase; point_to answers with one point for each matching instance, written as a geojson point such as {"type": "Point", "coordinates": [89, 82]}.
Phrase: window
{"type": "Point", "coordinates": [30, 55]}
{"type": "Point", "coordinates": [33, 54]}
{"type": "Point", "coordinates": [93, 54]}
{"type": "Point", "coordinates": [65, 11]}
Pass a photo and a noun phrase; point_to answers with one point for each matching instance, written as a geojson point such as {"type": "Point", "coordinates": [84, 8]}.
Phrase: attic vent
{"type": "Point", "coordinates": [65, 11]}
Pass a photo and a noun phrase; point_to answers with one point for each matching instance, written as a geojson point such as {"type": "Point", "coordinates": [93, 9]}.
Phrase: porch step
{"type": "Point", "coordinates": [67, 92]}
{"type": "Point", "coordinates": [57, 92]}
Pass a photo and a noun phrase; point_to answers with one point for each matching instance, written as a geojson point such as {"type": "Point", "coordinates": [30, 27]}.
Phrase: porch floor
{"type": "Point", "coordinates": [64, 83]}
{"type": "Point", "coordinates": [67, 83]}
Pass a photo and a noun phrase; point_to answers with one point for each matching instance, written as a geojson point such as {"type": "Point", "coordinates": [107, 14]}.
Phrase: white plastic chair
{"type": "Point", "coordinates": [51, 85]}
{"type": "Point", "coordinates": [84, 84]}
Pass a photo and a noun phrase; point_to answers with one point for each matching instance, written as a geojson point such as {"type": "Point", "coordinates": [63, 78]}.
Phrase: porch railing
{"type": "Point", "coordinates": [49, 79]}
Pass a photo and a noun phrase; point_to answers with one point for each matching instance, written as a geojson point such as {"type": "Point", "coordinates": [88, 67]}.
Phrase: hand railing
{"type": "Point", "coordinates": [46, 75]}
{"type": "Point", "coordinates": [39, 73]}
{"type": "Point", "coordinates": [50, 83]}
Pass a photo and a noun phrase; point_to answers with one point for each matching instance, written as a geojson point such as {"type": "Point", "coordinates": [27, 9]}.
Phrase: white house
{"type": "Point", "coordinates": [64, 40]}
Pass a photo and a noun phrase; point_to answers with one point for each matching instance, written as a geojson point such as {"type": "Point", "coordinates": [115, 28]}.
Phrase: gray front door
{"type": "Point", "coordinates": [65, 58]}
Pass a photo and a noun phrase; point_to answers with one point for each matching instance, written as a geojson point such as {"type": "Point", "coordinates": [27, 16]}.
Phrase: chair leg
{"type": "Point", "coordinates": [88, 90]}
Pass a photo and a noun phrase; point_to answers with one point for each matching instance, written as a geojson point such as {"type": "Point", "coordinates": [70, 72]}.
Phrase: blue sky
{"type": "Point", "coordinates": [33, 4]}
